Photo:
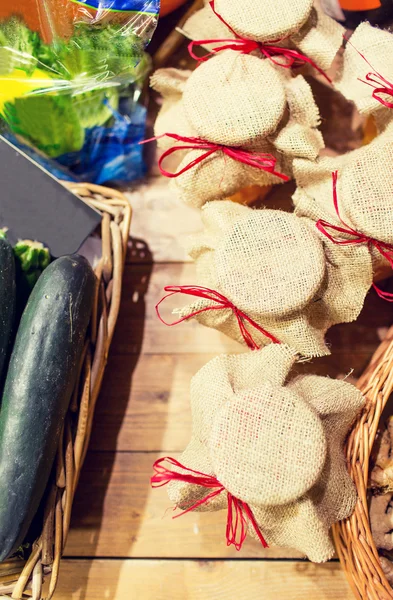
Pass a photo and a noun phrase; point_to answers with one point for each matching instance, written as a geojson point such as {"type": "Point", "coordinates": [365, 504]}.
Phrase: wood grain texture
{"type": "Point", "coordinates": [145, 403]}
{"type": "Point", "coordinates": [116, 513]}
{"type": "Point", "coordinates": [200, 580]}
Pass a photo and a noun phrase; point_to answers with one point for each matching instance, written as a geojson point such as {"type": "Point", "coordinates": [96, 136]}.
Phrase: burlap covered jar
{"type": "Point", "coordinates": [205, 25]}
{"type": "Point", "coordinates": [364, 197]}
{"type": "Point", "coordinates": [170, 84]}
{"type": "Point", "coordinates": [248, 105]}
{"type": "Point", "coordinates": [296, 24]}
{"type": "Point", "coordinates": [368, 67]}
{"type": "Point", "coordinates": [271, 266]}
{"type": "Point", "coordinates": [235, 99]}
{"type": "Point", "coordinates": [274, 445]}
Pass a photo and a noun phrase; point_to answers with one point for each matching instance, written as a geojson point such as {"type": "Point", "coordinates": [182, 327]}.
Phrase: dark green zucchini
{"type": "Point", "coordinates": [39, 384]}
{"type": "Point", "coordinates": [7, 299]}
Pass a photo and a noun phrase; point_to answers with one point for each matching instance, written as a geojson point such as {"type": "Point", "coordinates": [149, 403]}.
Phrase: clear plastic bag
{"type": "Point", "coordinates": [65, 64]}
{"type": "Point", "coordinates": [112, 153]}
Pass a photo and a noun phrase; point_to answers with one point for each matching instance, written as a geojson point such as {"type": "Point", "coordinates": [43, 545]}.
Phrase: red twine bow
{"type": "Point", "coordinates": [222, 303]}
{"type": "Point", "coordinates": [377, 81]}
{"type": "Point", "coordinates": [258, 160]}
{"type": "Point", "coordinates": [381, 86]}
{"type": "Point", "coordinates": [386, 250]}
{"type": "Point", "coordinates": [292, 58]}
{"type": "Point", "coordinates": [239, 513]}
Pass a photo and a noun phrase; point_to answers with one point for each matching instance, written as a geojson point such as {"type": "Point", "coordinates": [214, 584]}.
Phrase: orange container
{"type": "Point", "coordinates": [360, 4]}
{"type": "Point", "coordinates": [167, 6]}
{"type": "Point", "coordinates": [28, 10]}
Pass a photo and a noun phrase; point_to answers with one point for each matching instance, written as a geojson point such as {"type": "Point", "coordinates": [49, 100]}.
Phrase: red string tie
{"type": "Point", "coordinates": [376, 80]}
{"type": "Point", "coordinates": [381, 86]}
{"type": "Point", "coordinates": [386, 250]}
{"type": "Point", "coordinates": [239, 513]}
{"type": "Point", "coordinates": [221, 303]}
{"type": "Point", "coordinates": [292, 58]}
{"type": "Point", "coordinates": [258, 160]}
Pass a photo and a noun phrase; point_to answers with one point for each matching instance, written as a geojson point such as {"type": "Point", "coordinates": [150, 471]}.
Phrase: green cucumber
{"type": "Point", "coordinates": [39, 384]}
{"type": "Point", "coordinates": [7, 298]}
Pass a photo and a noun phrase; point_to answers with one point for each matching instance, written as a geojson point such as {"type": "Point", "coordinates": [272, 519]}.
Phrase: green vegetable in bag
{"type": "Point", "coordinates": [50, 94]}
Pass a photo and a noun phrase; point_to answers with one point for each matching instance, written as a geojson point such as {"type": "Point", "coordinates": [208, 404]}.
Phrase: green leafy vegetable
{"type": "Point", "coordinates": [32, 258]}
{"type": "Point", "coordinates": [98, 53]}
{"type": "Point", "coordinates": [95, 107]}
{"type": "Point", "coordinates": [51, 123]}
{"type": "Point", "coordinates": [19, 46]}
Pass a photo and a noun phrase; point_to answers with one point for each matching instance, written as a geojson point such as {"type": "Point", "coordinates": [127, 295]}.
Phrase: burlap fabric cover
{"type": "Point", "coordinates": [246, 103]}
{"type": "Point", "coordinates": [219, 176]}
{"type": "Point", "coordinates": [277, 447]}
{"type": "Point", "coordinates": [235, 99]}
{"type": "Point", "coordinates": [376, 45]}
{"type": "Point", "coordinates": [271, 265]}
{"type": "Point", "coordinates": [349, 272]}
{"type": "Point", "coordinates": [320, 37]}
{"type": "Point", "coordinates": [204, 25]}
{"type": "Point", "coordinates": [365, 193]}
{"type": "Point", "coordinates": [170, 84]}
{"type": "Point", "coordinates": [296, 23]}
{"type": "Point", "coordinates": [300, 137]}
{"type": "Point", "coordinates": [265, 20]}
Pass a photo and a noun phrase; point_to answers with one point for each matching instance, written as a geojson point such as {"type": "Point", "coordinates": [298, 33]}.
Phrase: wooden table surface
{"type": "Point", "coordinates": [123, 544]}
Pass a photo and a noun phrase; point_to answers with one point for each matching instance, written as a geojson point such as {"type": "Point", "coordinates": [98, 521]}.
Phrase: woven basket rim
{"type": "Point", "coordinates": [353, 537]}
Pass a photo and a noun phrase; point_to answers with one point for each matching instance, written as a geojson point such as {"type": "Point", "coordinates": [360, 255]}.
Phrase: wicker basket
{"type": "Point", "coordinates": [25, 578]}
{"type": "Point", "coordinates": [354, 543]}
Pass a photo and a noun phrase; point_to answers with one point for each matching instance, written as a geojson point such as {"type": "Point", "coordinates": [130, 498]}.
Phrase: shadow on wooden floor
{"type": "Point", "coordinates": [89, 504]}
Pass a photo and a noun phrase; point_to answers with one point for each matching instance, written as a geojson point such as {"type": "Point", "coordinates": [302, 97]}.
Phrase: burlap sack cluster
{"type": "Point", "coordinates": [365, 199]}
{"type": "Point", "coordinates": [276, 446]}
{"type": "Point", "coordinates": [376, 46]}
{"type": "Point", "coordinates": [245, 103]}
{"type": "Point", "coordinates": [272, 266]}
{"type": "Point", "coordinates": [297, 23]}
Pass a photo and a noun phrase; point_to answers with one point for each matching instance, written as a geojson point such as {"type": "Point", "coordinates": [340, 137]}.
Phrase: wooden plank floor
{"type": "Point", "coordinates": [123, 543]}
